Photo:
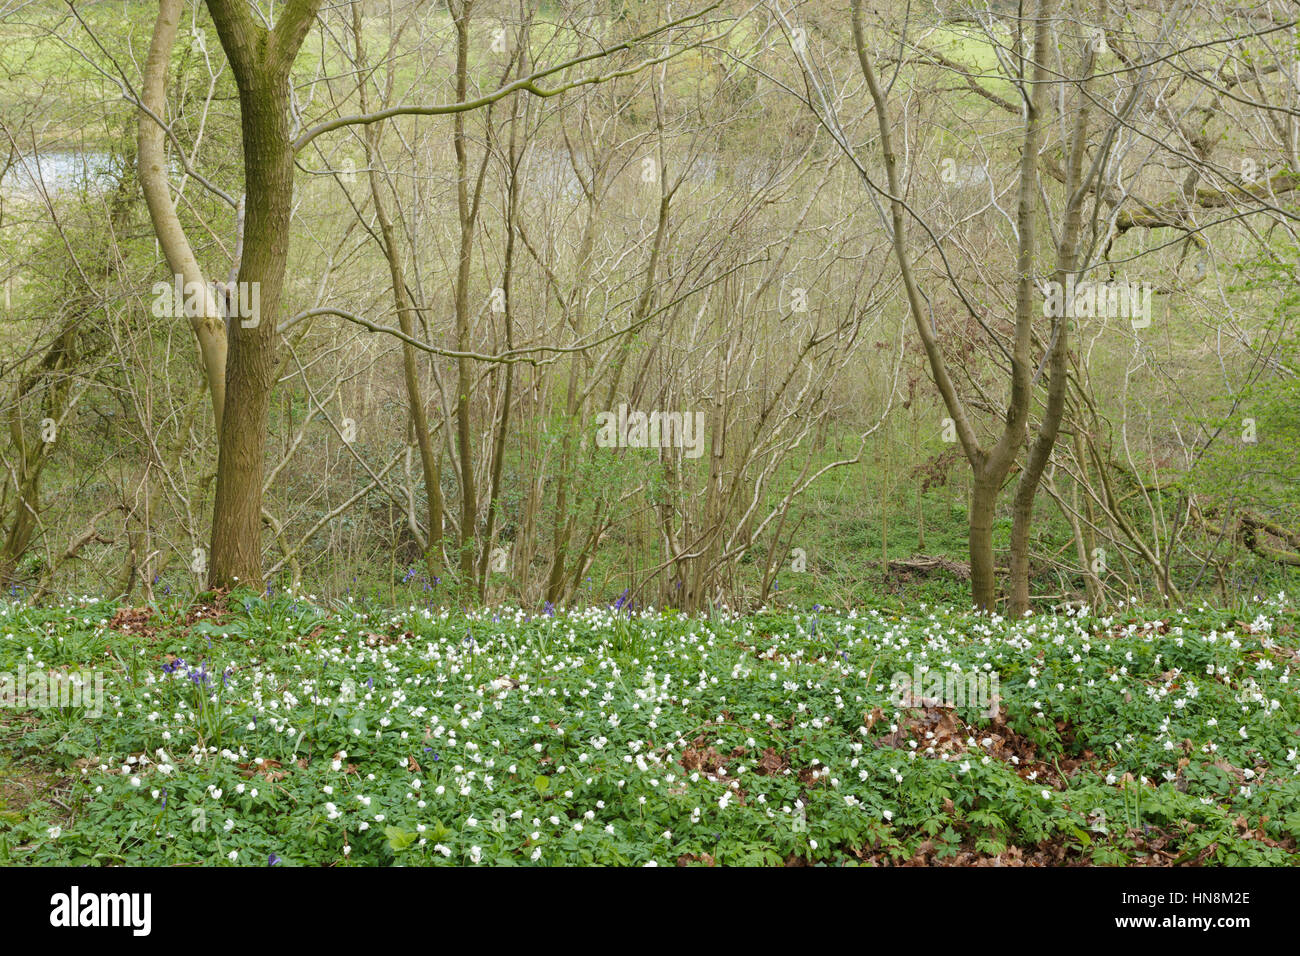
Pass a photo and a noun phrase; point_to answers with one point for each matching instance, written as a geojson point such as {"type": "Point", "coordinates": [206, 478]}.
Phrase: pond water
{"type": "Point", "coordinates": [59, 170]}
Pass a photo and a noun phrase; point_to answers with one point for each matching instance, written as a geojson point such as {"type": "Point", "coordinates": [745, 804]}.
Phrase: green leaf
{"type": "Point", "coordinates": [399, 839]}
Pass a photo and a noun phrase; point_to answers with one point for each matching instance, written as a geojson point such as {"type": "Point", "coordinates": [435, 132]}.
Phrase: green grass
{"type": "Point", "coordinates": [283, 731]}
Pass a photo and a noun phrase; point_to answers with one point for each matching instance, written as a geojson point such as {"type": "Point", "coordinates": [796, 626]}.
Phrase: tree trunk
{"type": "Point", "coordinates": [251, 364]}
{"type": "Point", "coordinates": [151, 164]}
{"type": "Point", "coordinates": [467, 212]}
{"type": "Point", "coordinates": [989, 467]}
{"type": "Point", "coordinates": [1040, 452]}
{"type": "Point", "coordinates": [260, 60]}
{"type": "Point", "coordinates": [1022, 514]}
{"type": "Point", "coordinates": [983, 582]}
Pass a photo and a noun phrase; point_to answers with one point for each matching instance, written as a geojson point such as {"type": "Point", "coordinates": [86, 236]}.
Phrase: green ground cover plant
{"type": "Point", "coordinates": [272, 730]}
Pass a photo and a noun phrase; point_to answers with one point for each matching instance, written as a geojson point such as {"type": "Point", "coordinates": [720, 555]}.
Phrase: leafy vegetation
{"type": "Point", "coordinates": [269, 730]}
